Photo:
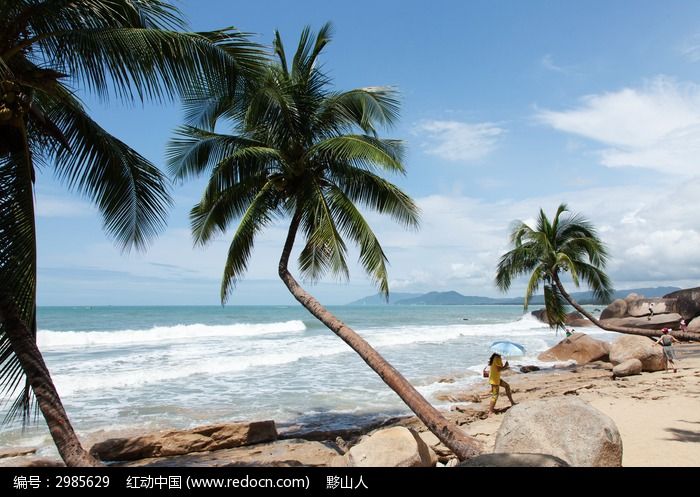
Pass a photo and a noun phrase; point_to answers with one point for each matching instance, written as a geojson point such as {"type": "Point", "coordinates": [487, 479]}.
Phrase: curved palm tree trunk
{"type": "Point", "coordinates": [448, 433]}
{"type": "Point", "coordinates": [686, 335]}
{"type": "Point", "coordinates": [34, 367]}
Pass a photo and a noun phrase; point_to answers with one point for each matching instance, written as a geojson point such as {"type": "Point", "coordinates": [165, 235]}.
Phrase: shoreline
{"type": "Point", "coordinates": [657, 413]}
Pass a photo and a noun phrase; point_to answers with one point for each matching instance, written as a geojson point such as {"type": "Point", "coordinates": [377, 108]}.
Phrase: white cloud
{"type": "Point", "coordinates": [459, 141]}
{"type": "Point", "coordinates": [690, 49]}
{"type": "Point", "coordinates": [652, 238]}
{"type": "Point", "coordinates": [547, 61]}
{"type": "Point", "coordinates": [656, 126]}
{"type": "Point", "coordinates": [53, 206]}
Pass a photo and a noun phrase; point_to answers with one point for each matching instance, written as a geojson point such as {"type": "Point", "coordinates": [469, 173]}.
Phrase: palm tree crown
{"type": "Point", "coordinates": [302, 151]}
{"type": "Point", "coordinates": [564, 244]}
{"type": "Point", "coordinates": [133, 49]}
{"type": "Point", "coordinates": [299, 150]}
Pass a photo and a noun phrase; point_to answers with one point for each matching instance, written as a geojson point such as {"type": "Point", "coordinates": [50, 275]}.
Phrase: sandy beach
{"type": "Point", "coordinates": [658, 414]}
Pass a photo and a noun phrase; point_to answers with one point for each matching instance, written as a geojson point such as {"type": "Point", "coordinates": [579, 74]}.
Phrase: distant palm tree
{"type": "Point", "coordinates": [295, 152]}
{"type": "Point", "coordinates": [132, 48]}
{"type": "Point", "coordinates": [563, 245]}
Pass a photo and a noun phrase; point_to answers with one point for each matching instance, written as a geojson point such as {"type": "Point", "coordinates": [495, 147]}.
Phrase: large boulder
{"type": "Point", "coordinates": [628, 368]}
{"type": "Point", "coordinates": [694, 325]}
{"type": "Point", "coordinates": [657, 322]}
{"type": "Point", "coordinates": [579, 347]}
{"type": "Point", "coordinates": [177, 442]}
{"type": "Point", "coordinates": [640, 307]}
{"type": "Point", "coordinates": [631, 298]}
{"type": "Point", "coordinates": [617, 309]}
{"type": "Point", "coordinates": [567, 428]}
{"type": "Point", "coordinates": [687, 302]}
{"type": "Point", "coordinates": [391, 447]}
{"type": "Point", "coordinates": [514, 461]}
{"type": "Point", "coordinates": [637, 347]}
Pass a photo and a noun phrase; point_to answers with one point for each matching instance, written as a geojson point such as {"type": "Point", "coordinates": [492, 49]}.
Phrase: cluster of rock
{"type": "Point", "coordinates": [552, 432]}
{"type": "Point", "coordinates": [628, 354]}
{"type": "Point", "coordinates": [634, 311]}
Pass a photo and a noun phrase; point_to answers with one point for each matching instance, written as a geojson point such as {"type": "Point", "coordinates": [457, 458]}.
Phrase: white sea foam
{"type": "Point", "coordinates": [161, 334]}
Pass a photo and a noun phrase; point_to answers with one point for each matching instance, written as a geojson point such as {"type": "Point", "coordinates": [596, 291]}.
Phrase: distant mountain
{"type": "Point", "coordinates": [456, 298]}
{"type": "Point", "coordinates": [378, 299]}
{"type": "Point", "coordinates": [447, 298]}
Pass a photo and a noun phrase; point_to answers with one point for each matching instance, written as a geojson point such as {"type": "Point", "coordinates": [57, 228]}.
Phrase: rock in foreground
{"type": "Point", "coordinates": [391, 447]}
{"type": "Point", "coordinates": [579, 347]}
{"type": "Point", "coordinates": [178, 442]}
{"type": "Point", "coordinates": [567, 428]}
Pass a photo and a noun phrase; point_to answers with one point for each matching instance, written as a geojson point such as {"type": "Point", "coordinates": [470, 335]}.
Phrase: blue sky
{"type": "Point", "coordinates": [507, 107]}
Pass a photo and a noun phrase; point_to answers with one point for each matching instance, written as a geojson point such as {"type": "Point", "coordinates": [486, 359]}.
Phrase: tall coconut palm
{"type": "Point", "coordinates": [300, 151]}
{"type": "Point", "coordinates": [563, 245]}
{"type": "Point", "coordinates": [133, 49]}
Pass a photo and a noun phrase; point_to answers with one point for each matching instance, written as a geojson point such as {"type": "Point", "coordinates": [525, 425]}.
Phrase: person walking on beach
{"type": "Point", "coordinates": [666, 340]}
{"type": "Point", "coordinates": [496, 366]}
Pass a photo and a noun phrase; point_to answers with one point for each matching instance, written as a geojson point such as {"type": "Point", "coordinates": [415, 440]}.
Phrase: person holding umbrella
{"type": "Point", "coordinates": [496, 366]}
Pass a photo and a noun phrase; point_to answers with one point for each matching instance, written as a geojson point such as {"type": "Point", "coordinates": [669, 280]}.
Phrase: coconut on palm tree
{"type": "Point", "coordinates": [566, 244]}
{"type": "Point", "coordinates": [302, 152]}
{"type": "Point", "coordinates": [134, 49]}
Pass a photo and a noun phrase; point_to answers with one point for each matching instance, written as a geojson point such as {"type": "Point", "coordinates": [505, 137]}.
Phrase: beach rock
{"type": "Point", "coordinates": [514, 460]}
{"type": "Point", "coordinates": [694, 325]}
{"type": "Point", "coordinates": [617, 309]}
{"type": "Point", "coordinates": [657, 322]}
{"type": "Point", "coordinates": [632, 297]}
{"type": "Point", "coordinates": [637, 347]}
{"type": "Point", "coordinates": [640, 307]}
{"type": "Point", "coordinates": [687, 302]}
{"type": "Point", "coordinates": [282, 453]}
{"type": "Point", "coordinates": [17, 452]}
{"type": "Point", "coordinates": [567, 428]}
{"type": "Point", "coordinates": [391, 447]}
{"type": "Point", "coordinates": [628, 368]}
{"type": "Point", "coordinates": [528, 369]}
{"type": "Point", "coordinates": [579, 347]}
{"type": "Point", "coordinates": [177, 442]}
{"type": "Point", "coordinates": [443, 453]}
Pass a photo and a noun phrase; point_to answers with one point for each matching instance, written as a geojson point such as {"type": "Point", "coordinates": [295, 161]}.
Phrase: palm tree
{"type": "Point", "coordinates": [132, 48]}
{"type": "Point", "coordinates": [303, 152]}
{"type": "Point", "coordinates": [562, 245]}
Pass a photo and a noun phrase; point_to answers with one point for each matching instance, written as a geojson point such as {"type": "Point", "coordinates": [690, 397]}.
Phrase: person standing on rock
{"type": "Point", "coordinates": [684, 325]}
{"type": "Point", "coordinates": [666, 340]}
{"type": "Point", "coordinates": [496, 366]}
{"type": "Point", "coordinates": [651, 311]}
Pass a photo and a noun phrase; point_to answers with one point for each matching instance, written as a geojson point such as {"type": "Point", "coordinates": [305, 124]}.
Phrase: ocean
{"type": "Point", "coordinates": [121, 370]}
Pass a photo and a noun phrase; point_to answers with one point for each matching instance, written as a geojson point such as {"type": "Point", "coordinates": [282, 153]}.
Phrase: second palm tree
{"type": "Point", "coordinates": [304, 153]}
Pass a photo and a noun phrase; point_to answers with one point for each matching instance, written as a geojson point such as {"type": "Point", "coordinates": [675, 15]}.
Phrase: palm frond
{"type": "Point", "coordinates": [217, 210]}
{"type": "Point", "coordinates": [167, 64]}
{"type": "Point", "coordinates": [17, 269]}
{"type": "Point", "coordinates": [353, 224]}
{"type": "Point", "coordinates": [359, 150]}
{"type": "Point", "coordinates": [376, 193]}
{"type": "Point", "coordinates": [130, 192]}
{"type": "Point", "coordinates": [256, 217]}
{"type": "Point", "coordinates": [365, 108]}
{"type": "Point", "coordinates": [324, 250]}
{"type": "Point", "coordinates": [555, 307]}
{"type": "Point", "coordinates": [195, 151]}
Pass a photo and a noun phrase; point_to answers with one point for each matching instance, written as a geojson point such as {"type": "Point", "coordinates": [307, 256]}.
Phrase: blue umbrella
{"type": "Point", "coordinates": [507, 348]}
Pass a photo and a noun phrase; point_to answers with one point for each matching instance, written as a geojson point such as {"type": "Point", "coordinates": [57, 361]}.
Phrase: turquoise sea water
{"type": "Point", "coordinates": [125, 369]}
